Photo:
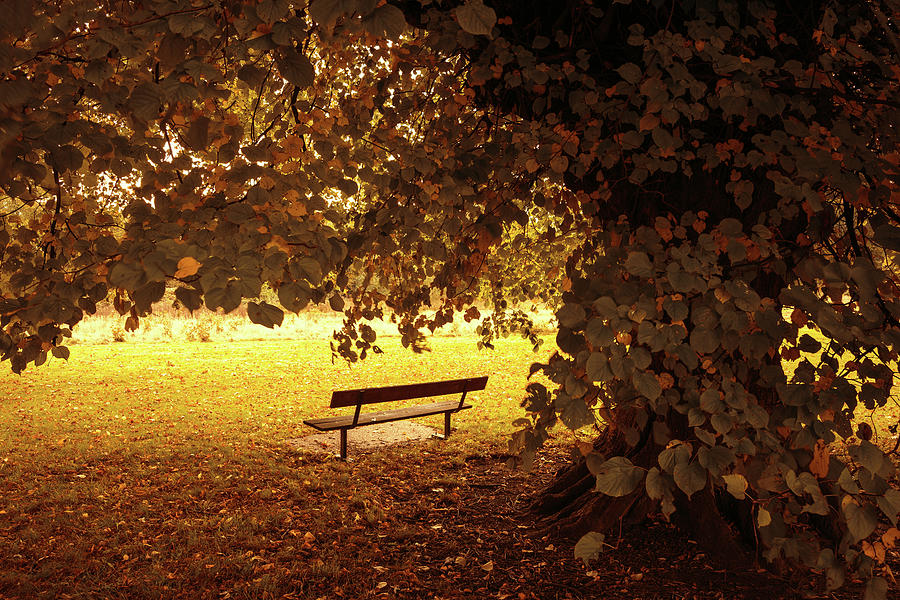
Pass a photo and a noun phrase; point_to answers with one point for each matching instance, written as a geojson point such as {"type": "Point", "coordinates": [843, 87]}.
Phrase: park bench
{"type": "Point", "coordinates": [358, 398]}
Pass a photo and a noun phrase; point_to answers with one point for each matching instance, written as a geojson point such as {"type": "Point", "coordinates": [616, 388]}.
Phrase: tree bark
{"type": "Point", "coordinates": [569, 507]}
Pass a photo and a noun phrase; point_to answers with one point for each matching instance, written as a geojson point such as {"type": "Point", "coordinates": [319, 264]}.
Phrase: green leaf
{"type": "Point", "coordinates": [869, 456]}
{"type": "Point", "coordinates": [293, 296]}
{"type": "Point", "coordinates": [124, 275]}
{"type": "Point", "coordinates": [190, 298]}
{"type": "Point", "coordinates": [889, 504]}
{"type": "Point", "coordinates": [656, 484]}
{"type": "Point", "coordinates": [197, 136]}
{"type": "Point", "coordinates": [239, 212]}
{"type": "Point", "coordinates": [834, 577]}
{"type": "Point", "coordinates": [573, 412]}
{"type": "Point", "coordinates": [673, 456]}
{"type": "Point", "coordinates": [617, 476]}
{"type": "Point", "coordinates": [336, 302]}
{"type": "Point", "coordinates": [147, 294]}
{"type": "Point", "coordinates": [386, 22]}
{"type": "Point", "coordinates": [476, 18]}
{"type": "Point", "coordinates": [145, 102]}
{"type": "Point", "coordinates": [348, 186]}
{"type": "Point", "coordinates": [888, 236]}
{"type": "Point", "coordinates": [630, 72]}
{"type": "Point", "coordinates": [711, 402]}
{"type": "Point", "coordinates": [704, 341]}
{"type": "Point", "coordinates": [860, 520]}
{"type": "Point", "coordinates": [605, 307]}
{"type": "Point", "coordinates": [764, 518]}
{"type": "Point", "coordinates": [646, 384]}
{"type": "Point", "coordinates": [265, 314]}
{"type": "Point", "coordinates": [598, 333]}
{"type": "Point", "coordinates": [690, 477]}
{"type": "Point", "coordinates": [296, 67]}
{"type": "Point", "coordinates": [311, 269]}
{"type": "Point", "coordinates": [227, 298]}
{"type": "Point", "coordinates": [826, 559]}
{"type": "Point", "coordinates": [876, 589]}
{"type": "Point", "coordinates": [715, 459]}
{"type": "Point", "coordinates": [589, 547]}
{"type": "Point", "coordinates": [808, 343]}
{"type": "Point", "coordinates": [640, 356]}
{"type": "Point", "coordinates": [638, 264]}
{"type": "Point", "coordinates": [597, 367]}
{"type": "Point", "coordinates": [326, 12]}
{"type": "Point", "coordinates": [677, 309]}
{"type": "Point", "coordinates": [570, 315]}
{"type": "Point", "coordinates": [736, 484]}
{"type": "Point", "coordinates": [847, 483]}
{"type": "Point", "coordinates": [60, 352]}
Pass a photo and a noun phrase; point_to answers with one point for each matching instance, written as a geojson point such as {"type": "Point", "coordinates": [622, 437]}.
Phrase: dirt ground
{"type": "Point", "coordinates": [469, 535]}
{"type": "Point", "coordinates": [364, 438]}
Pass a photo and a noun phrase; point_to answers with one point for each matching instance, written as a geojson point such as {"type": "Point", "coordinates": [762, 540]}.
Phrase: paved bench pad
{"type": "Point", "coordinates": [360, 397]}
{"type": "Point", "coordinates": [385, 416]}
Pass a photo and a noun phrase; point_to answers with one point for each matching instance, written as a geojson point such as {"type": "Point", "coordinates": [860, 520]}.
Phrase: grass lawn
{"type": "Point", "coordinates": [154, 470]}
{"type": "Point", "coordinates": [160, 469]}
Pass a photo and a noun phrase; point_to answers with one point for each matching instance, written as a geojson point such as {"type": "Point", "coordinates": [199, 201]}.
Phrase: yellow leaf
{"type": "Point", "coordinates": [279, 242]}
{"type": "Point", "coordinates": [890, 537]}
{"type": "Point", "coordinates": [648, 122]}
{"type": "Point", "coordinates": [292, 145]}
{"type": "Point", "coordinates": [187, 266]}
{"type": "Point", "coordinates": [559, 163]}
{"type": "Point", "coordinates": [585, 447]}
{"type": "Point", "coordinates": [736, 485]}
{"type": "Point", "coordinates": [821, 458]}
{"type": "Point", "coordinates": [875, 551]}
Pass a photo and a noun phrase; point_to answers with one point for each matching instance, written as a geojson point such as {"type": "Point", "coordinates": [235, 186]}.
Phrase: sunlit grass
{"type": "Point", "coordinates": [884, 420]}
{"type": "Point", "coordinates": [161, 469]}
{"type": "Point", "coordinates": [165, 325]}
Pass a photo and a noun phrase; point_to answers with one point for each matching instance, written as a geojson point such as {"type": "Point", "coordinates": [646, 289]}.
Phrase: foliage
{"type": "Point", "coordinates": [730, 170]}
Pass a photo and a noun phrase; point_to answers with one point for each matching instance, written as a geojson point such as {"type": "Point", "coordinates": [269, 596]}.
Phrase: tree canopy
{"type": "Point", "coordinates": [717, 181]}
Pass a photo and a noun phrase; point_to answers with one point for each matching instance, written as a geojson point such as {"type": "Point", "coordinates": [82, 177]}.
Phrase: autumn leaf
{"type": "Point", "coordinates": [821, 460]}
{"type": "Point", "coordinates": [476, 18]}
{"type": "Point", "coordinates": [559, 163]}
{"type": "Point", "coordinates": [187, 266]}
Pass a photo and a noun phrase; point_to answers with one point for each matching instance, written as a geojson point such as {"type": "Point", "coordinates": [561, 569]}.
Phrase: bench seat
{"type": "Point", "coordinates": [393, 393]}
{"type": "Point", "coordinates": [386, 416]}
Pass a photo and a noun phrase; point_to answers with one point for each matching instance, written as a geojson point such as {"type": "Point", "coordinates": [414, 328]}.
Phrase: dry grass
{"type": "Point", "coordinates": [160, 470]}
{"type": "Point", "coordinates": [205, 326]}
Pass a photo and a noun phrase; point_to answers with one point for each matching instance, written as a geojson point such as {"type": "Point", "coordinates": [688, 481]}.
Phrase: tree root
{"type": "Point", "coordinates": [569, 507]}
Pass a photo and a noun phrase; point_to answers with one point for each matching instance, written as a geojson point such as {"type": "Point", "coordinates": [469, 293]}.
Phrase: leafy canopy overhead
{"type": "Point", "coordinates": [717, 179]}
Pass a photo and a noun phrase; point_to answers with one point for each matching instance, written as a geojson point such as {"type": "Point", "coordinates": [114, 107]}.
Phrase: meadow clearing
{"type": "Point", "coordinates": [159, 467]}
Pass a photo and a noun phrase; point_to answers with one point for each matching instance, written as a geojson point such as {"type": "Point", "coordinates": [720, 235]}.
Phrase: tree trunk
{"type": "Point", "coordinates": [569, 507]}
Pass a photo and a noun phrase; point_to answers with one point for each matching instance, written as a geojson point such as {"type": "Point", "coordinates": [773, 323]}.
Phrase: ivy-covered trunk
{"type": "Point", "coordinates": [670, 342]}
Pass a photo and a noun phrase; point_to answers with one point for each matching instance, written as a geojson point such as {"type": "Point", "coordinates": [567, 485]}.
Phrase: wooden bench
{"type": "Point", "coordinates": [358, 398]}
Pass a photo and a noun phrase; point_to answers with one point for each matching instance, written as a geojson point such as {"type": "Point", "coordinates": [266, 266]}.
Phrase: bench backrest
{"type": "Point", "coordinates": [406, 392]}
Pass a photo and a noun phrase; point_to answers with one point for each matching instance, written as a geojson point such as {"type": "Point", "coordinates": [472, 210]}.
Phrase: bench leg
{"type": "Point", "coordinates": [446, 433]}
{"type": "Point", "coordinates": [343, 444]}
